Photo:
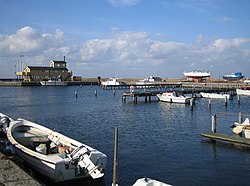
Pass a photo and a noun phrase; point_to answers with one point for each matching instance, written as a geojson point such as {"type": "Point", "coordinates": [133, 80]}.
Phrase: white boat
{"type": "Point", "coordinates": [215, 95]}
{"type": "Point", "coordinates": [149, 182]}
{"type": "Point", "coordinates": [52, 154]}
{"type": "Point", "coordinates": [243, 92]}
{"type": "Point", "coordinates": [242, 128]}
{"type": "Point", "coordinates": [173, 97]}
{"type": "Point", "coordinates": [197, 74]}
{"type": "Point", "coordinates": [149, 81]}
{"type": "Point", "coordinates": [112, 82]}
{"type": "Point", "coordinates": [246, 81]}
{"type": "Point", "coordinates": [52, 82]}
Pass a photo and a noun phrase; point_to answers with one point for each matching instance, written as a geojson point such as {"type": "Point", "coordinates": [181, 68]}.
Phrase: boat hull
{"type": "Point", "coordinates": [243, 92]}
{"type": "Point", "coordinates": [172, 99]}
{"type": "Point", "coordinates": [215, 96]}
{"type": "Point", "coordinates": [34, 144]}
{"type": "Point", "coordinates": [233, 77]}
{"type": "Point", "coordinates": [53, 83]}
{"type": "Point", "coordinates": [197, 74]}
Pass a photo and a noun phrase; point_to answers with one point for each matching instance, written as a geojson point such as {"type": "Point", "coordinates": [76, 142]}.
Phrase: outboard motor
{"type": "Point", "coordinates": [4, 124]}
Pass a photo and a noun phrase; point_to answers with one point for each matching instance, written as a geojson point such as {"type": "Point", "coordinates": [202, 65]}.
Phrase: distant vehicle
{"type": "Point", "coordinates": [233, 77]}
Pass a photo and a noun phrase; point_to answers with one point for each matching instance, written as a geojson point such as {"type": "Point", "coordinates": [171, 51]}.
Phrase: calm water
{"type": "Point", "coordinates": [157, 140]}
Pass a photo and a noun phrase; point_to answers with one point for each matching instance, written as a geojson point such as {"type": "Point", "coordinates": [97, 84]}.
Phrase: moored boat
{"type": "Point", "coordinates": [52, 154]}
{"type": "Point", "coordinates": [151, 80]}
{"type": "Point", "coordinates": [243, 92]}
{"type": "Point", "coordinates": [112, 82]}
{"type": "Point", "coordinates": [149, 182]}
{"type": "Point", "coordinates": [52, 82]}
{"type": "Point", "coordinates": [215, 95]}
{"type": "Point", "coordinates": [173, 97]}
{"type": "Point", "coordinates": [242, 128]}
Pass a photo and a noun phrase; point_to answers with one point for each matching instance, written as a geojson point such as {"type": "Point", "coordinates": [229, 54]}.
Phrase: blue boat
{"type": "Point", "coordinates": [233, 77]}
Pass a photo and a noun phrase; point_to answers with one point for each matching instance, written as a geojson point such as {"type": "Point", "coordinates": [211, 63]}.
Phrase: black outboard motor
{"type": "Point", "coordinates": [4, 124]}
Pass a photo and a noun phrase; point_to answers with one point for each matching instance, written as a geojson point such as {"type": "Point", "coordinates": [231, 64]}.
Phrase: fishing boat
{"type": "Point", "coordinates": [242, 92]}
{"type": "Point", "coordinates": [112, 82]}
{"type": "Point", "coordinates": [215, 95]}
{"type": "Point", "coordinates": [173, 97]}
{"type": "Point", "coordinates": [51, 82]}
{"type": "Point", "coordinates": [149, 182]}
{"type": "Point", "coordinates": [242, 128]}
{"type": "Point", "coordinates": [52, 154]}
{"type": "Point", "coordinates": [196, 74]}
{"type": "Point", "coordinates": [233, 77]}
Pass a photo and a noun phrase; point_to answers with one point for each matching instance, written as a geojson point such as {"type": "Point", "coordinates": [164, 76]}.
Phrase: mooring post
{"type": "Point", "coordinates": [95, 93]}
{"type": "Point", "coordinates": [76, 93]}
{"type": "Point", "coordinates": [226, 101]}
{"type": "Point", "coordinates": [240, 117]}
{"type": "Point", "coordinates": [214, 123]}
{"type": "Point", "coordinates": [115, 158]}
{"type": "Point", "coordinates": [238, 99]}
{"type": "Point", "coordinates": [114, 92]}
{"type": "Point", "coordinates": [124, 98]}
{"type": "Point", "coordinates": [192, 102]}
{"type": "Point", "coordinates": [209, 103]}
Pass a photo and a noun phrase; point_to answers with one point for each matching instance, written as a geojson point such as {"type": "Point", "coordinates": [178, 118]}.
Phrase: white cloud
{"type": "Point", "coordinates": [223, 44]}
{"type": "Point", "coordinates": [130, 54]}
{"type": "Point", "coordinates": [123, 3]}
{"type": "Point", "coordinates": [224, 19]}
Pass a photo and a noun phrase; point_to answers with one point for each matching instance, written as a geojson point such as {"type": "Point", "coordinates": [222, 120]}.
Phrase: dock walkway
{"type": "Point", "coordinates": [228, 138]}
{"type": "Point", "coordinates": [148, 94]}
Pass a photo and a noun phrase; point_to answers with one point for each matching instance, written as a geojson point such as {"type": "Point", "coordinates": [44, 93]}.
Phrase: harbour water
{"type": "Point", "coordinates": [158, 140]}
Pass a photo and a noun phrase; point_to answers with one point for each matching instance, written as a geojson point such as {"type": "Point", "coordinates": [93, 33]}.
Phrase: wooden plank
{"type": "Point", "coordinates": [225, 137]}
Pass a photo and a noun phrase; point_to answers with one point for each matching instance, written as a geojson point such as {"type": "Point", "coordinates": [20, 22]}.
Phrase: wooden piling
{"type": "Point", "coordinates": [115, 158]}
{"type": "Point", "coordinates": [240, 117]}
{"type": "Point", "coordinates": [76, 93]}
{"type": "Point", "coordinates": [209, 103]}
{"type": "Point", "coordinates": [226, 101]}
{"type": "Point", "coordinates": [214, 123]}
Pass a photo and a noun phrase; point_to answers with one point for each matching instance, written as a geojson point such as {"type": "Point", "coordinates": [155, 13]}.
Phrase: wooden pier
{"type": "Point", "coordinates": [226, 137]}
{"type": "Point", "coordinates": [148, 94]}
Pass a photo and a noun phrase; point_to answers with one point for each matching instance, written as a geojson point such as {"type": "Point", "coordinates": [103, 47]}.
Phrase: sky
{"type": "Point", "coordinates": [126, 38]}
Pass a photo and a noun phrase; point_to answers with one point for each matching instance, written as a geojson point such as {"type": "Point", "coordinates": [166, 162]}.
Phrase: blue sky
{"type": "Point", "coordinates": [131, 38]}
